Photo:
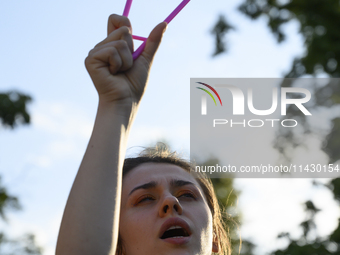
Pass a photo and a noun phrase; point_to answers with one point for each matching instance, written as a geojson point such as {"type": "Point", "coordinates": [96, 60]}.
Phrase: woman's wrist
{"type": "Point", "coordinates": [123, 112]}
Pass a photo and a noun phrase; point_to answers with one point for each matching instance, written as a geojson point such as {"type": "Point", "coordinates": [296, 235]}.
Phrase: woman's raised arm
{"type": "Point", "coordinates": [91, 218]}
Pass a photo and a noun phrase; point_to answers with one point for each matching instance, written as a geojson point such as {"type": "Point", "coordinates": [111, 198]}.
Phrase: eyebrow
{"type": "Point", "coordinates": [176, 183]}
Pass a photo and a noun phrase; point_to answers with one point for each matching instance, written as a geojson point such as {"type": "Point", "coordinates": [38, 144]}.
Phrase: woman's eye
{"type": "Point", "coordinates": [145, 198]}
{"type": "Point", "coordinates": [187, 195]}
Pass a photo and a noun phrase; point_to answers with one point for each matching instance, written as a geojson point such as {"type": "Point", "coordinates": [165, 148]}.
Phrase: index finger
{"type": "Point", "coordinates": [116, 21]}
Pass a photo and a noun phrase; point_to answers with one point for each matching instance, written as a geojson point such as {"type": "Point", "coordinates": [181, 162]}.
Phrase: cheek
{"type": "Point", "coordinates": [134, 226]}
{"type": "Point", "coordinates": [209, 221]}
{"type": "Point", "coordinates": [202, 214]}
{"type": "Point", "coordinates": [203, 220]}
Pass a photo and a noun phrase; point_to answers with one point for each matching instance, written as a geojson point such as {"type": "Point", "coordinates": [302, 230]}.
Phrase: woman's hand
{"type": "Point", "coordinates": [118, 79]}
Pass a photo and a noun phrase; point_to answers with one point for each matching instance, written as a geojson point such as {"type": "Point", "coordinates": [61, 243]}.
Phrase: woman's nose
{"type": "Point", "coordinates": [170, 205]}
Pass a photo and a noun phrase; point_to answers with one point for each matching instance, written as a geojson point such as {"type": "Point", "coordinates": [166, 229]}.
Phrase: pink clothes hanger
{"type": "Point", "coordinates": [167, 20]}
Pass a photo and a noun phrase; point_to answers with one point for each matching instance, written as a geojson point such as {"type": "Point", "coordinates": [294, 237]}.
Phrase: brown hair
{"type": "Point", "coordinates": [161, 154]}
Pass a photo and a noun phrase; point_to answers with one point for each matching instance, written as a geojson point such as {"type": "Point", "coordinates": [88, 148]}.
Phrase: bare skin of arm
{"type": "Point", "coordinates": [90, 222]}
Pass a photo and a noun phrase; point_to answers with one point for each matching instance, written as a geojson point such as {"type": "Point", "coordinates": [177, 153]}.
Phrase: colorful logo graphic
{"type": "Point", "coordinates": [212, 89]}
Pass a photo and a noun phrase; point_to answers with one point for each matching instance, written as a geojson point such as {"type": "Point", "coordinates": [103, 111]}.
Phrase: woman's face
{"type": "Point", "coordinates": [164, 211]}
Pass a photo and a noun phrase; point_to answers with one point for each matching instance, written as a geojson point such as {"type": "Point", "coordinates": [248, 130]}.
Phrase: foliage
{"type": "Point", "coordinates": [221, 28]}
{"type": "Point", "coordinates": [227, 196]}
{"type": "Point", "coordinates": [319, 22]}
{"type": "Point", "coordinates": [12, 113]}
{"type": "Point", "coordinates": [7, 202]}
{"type": "Point", "coordinates": [13, 108]}
{"type": "Point", "coordinates": [23, 246]}
{"type": "Point", "coordinates": [307, 245]}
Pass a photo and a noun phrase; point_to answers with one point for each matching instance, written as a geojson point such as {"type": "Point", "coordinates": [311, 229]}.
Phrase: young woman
{"type": "Point", "coordinates": [154, 205]}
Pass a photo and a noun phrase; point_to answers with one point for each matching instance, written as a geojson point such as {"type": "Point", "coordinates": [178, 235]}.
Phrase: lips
{"type": "Point", "coordinates": [174, 228]}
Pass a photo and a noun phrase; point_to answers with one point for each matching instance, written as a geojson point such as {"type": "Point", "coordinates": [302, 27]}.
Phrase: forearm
{"type": "Point", "coordinates": [91, 217]}
{"type": "Point", "coordinates": [90, 222]}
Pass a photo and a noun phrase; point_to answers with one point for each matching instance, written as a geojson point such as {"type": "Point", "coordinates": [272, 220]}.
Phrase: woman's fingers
{"type": "Point", "coordinates": [119, 28]}
{"type": "Point", "coordinates": [122, 33]}
{"type": "Point", "coordinates": [114, 53]}
{"type": "Point", "coordinates": [116, 21]}
{"type": "Point", "coordinates": [154, 41]}
{"type": "Point", "coordinates": [125, 56]}
{"type": "Point", "coordinates": [116, 56]}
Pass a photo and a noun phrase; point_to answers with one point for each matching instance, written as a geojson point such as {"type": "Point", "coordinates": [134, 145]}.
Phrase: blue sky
{"type": "Point", "coordinates": [43, 47]}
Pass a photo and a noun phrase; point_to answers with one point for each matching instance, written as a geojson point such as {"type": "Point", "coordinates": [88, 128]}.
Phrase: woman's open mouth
{"type": "Point", "coordinates": [175, 231]}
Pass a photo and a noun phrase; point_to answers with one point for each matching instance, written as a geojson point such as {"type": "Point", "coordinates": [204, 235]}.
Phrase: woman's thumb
{"type": "Point", "coordinates": [154, 40]}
